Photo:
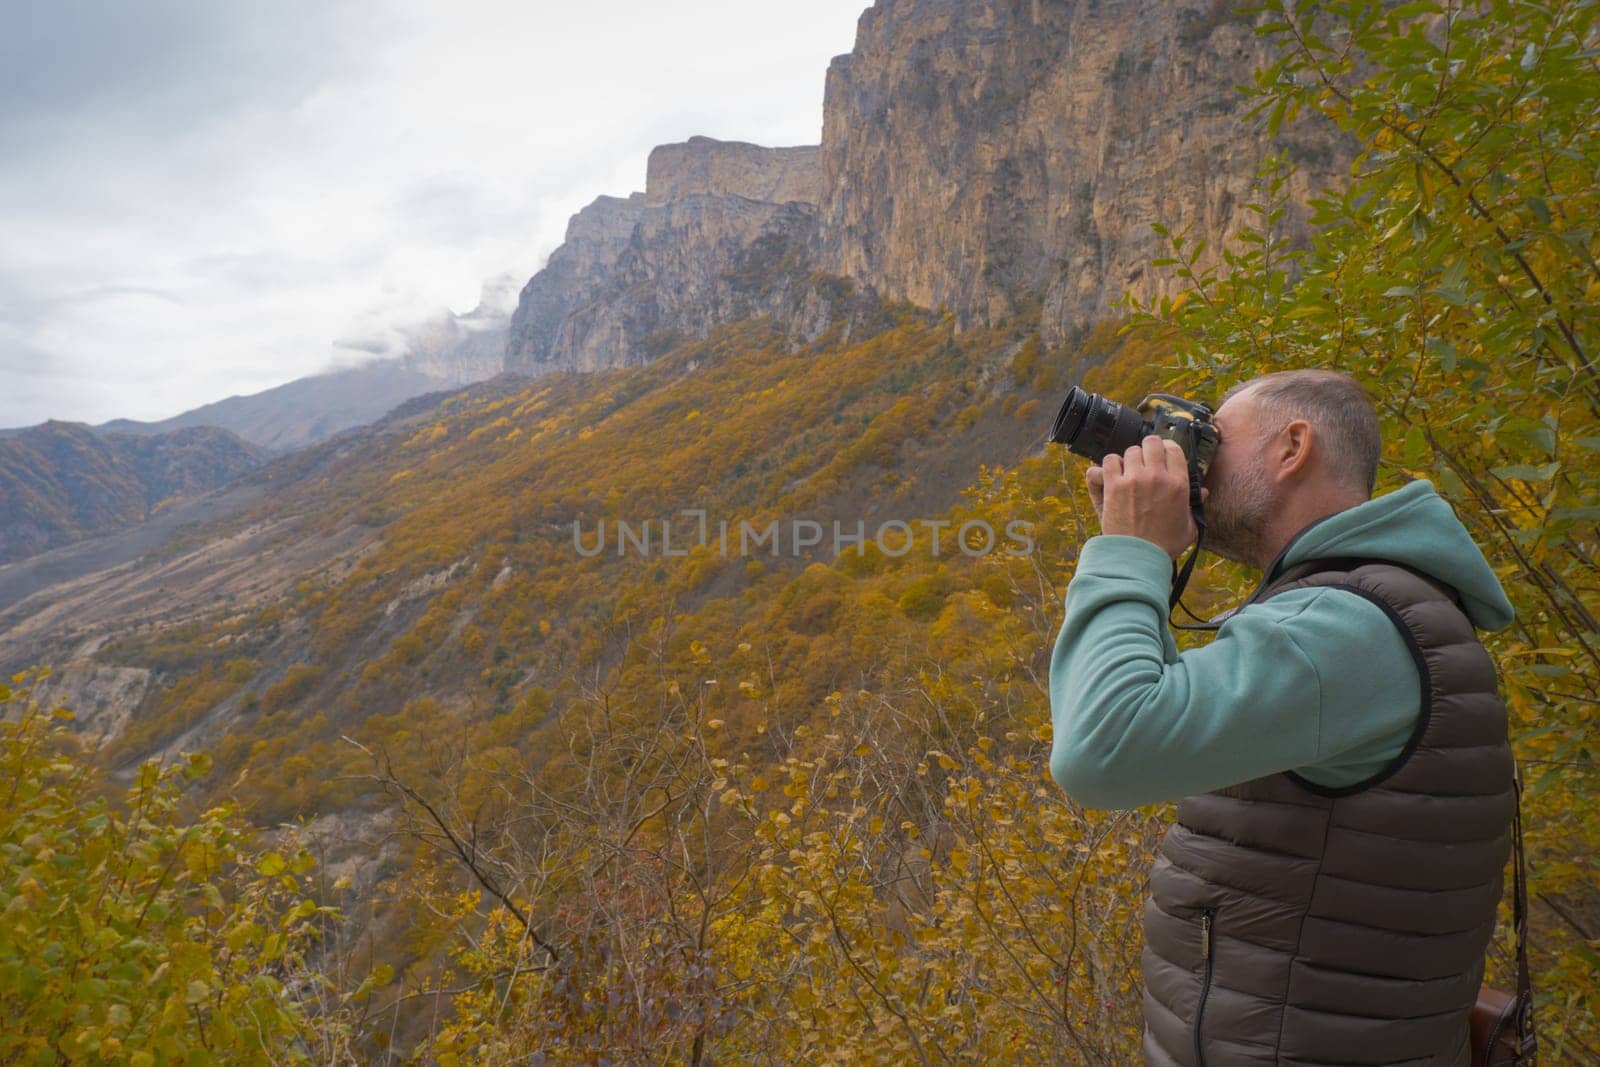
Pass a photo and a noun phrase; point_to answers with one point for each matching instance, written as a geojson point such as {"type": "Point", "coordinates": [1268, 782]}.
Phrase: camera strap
{"type": "Point", "coordinates": [1527, 1040]}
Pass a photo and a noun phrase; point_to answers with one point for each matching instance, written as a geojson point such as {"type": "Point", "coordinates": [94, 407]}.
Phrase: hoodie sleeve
{"type": "Point", "coordinates": [1315, 680]}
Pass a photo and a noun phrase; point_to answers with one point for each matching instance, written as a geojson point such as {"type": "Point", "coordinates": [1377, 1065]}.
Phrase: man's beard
{"type": "Point", "coordinates": [1236, 515]}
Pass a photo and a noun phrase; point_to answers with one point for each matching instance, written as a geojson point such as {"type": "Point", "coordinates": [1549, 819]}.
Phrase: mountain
{"type": "Point", "coordinates": [722, 232]}
{"type": "Point", "coordinates": [61, 482]}
{"type": "Point", "coordinates": [303, 411]}
{"type": "Point", "coordinates": [994, 159]}
{"type": "Point", "coordinates": [444, 352]}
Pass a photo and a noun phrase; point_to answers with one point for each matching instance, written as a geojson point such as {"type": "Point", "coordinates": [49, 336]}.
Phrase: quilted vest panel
{"type": "Point", "coordinates": [1292, 924]}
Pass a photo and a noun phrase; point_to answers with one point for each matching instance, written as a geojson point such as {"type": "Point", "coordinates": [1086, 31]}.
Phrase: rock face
{"type": "Point", "coordinates": [982, 156]}
{"type": "Point", "coordinates": [703, 167]}
{"type": "Point", "coordinates": [722, 231]}
{"type": "Point", "coordinates": [991, 157]}
{"type": "Point", "coordinates": [102, 699]}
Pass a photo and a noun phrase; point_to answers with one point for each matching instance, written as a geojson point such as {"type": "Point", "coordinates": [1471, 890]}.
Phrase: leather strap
{"type": "Point", "coordinates": [1527, 1040]}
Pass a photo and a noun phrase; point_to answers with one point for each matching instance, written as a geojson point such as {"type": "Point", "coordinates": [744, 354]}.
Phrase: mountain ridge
{"type": "Point", "coordinates": [61, 482]}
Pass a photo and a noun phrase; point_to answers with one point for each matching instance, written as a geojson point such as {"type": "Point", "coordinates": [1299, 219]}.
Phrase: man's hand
{"type": "Point", "coordinates": [1145, 493]}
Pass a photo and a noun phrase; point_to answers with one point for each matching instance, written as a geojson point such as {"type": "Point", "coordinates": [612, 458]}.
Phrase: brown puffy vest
{"type": "Point", "coordinates": [1289, 923]}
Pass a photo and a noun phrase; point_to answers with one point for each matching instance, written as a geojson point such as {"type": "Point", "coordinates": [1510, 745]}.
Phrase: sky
{"type": "Point", "coordinates": [202, 199]}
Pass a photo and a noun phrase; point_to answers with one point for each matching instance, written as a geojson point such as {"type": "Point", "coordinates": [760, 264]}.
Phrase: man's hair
{"type": "Point", "coordinates": [1339, 410]}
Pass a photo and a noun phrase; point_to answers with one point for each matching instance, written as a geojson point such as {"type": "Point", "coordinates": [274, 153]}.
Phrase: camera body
{"type": "Point", "coordinates": [1094, 427]}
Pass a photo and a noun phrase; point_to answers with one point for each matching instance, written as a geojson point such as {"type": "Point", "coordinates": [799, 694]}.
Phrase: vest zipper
{"type": "Point", "coordinates": [1205, 982]}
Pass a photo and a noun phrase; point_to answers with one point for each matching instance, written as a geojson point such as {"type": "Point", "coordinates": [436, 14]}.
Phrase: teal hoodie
{"type": "Point", "coordinates": [1317, 681]}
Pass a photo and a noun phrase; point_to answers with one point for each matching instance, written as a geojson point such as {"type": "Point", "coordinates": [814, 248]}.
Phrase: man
{"type": "Point", "coordinates": [1330, 886]}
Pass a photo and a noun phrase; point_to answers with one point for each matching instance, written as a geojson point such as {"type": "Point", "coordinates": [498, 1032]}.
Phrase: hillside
{"type": "Point", "coordinates": [62, 482]}
{"type": "Point", "coordinates": [853, 432]}
{"type": "Point", "coordinates": [433, 602]}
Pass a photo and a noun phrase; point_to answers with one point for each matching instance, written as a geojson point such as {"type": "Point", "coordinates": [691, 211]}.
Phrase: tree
{"type": "Point", "coordinates": [1456, 277]}
{"type": "Point", "coordinates": [131, 933]}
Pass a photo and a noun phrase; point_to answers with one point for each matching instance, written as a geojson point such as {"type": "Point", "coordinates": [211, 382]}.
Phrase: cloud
{"type": "Point", "coordinates": [200, 199]}
{"type": "Point", "coordinates": [72, 68]}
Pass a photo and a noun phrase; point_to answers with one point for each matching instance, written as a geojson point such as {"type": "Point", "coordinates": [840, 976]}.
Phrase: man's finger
{"type": "Point", "coordinates": [1112, 466]}
{"type": "Point", "coordinates": [1154, 450]}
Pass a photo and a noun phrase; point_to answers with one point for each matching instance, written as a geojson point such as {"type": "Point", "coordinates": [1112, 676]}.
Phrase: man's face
{"type": "Point", "coordinates": [1241, 496]}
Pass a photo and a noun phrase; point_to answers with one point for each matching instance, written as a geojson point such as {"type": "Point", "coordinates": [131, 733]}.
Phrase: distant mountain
{"type": "Point", "coordinates": [447, 351]}
{"type": "Point", "coordinates": [303, 411]}
{"type": "Point", "coordinates": [61, 482]}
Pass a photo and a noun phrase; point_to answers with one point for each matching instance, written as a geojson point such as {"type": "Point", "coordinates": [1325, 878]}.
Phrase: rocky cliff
{"type": "Point", "coordinates": [722, 231]}
{"type": "Point", "coordinates": [988, 156]}
{"type": "Point", "coordinates": [993, 158]}
{"type": "Point", "coordinates": [701, 166]}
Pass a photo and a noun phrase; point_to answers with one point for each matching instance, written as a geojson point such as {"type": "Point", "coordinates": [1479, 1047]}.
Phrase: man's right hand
{"type": "Point", "coordinates": [1145, 493]}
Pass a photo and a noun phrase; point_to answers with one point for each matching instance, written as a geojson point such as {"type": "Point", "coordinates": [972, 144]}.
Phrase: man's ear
{"type": "Point", "coordinates": [1292, 450]}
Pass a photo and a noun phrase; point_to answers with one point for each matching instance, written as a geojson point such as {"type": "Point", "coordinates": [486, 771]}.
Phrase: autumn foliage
{"type": "Point", "coordinates": [723, 808]}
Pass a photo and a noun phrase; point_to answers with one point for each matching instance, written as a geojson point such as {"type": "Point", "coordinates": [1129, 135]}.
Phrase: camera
{"type": "Point", "coordinates": [1095, 427]}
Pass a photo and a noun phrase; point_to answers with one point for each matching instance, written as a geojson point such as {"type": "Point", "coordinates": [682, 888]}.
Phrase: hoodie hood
{"type": "Point", "coordinates": [1416, 527]}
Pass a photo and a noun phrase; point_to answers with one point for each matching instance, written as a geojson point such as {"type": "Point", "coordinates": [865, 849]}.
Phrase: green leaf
{"type": "Point", "coordinates": [271, 865]}
{"type": "Point", "coordinates": [1416, 447]}
{"type": "Point", "coordinates": [1526, 472]}
{"type": "Point", "coordinates": [199, 766]}
{"type": "Point", "coordinates": [1420, 224]}
{"type": "Point", "coordinates": [1443, 351]}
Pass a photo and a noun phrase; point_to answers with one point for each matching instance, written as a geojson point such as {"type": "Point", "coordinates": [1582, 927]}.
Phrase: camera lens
{"type": "Point", "coordinates": [1095, 427]}
{"type": "Point", "coordinates": [1069, 420]}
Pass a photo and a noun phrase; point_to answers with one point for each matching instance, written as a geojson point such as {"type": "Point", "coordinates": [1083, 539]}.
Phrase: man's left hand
{"type": "Point", "coordinates": [1145, 493]}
